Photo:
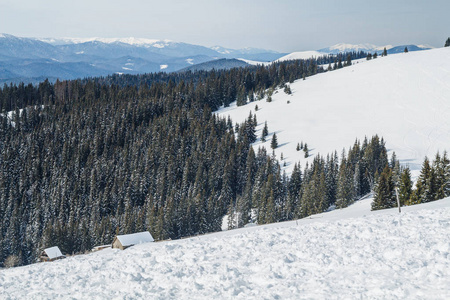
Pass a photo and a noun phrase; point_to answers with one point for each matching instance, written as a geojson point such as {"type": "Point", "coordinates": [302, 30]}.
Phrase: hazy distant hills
{"type": "Point", "coordinates": [33, 60]}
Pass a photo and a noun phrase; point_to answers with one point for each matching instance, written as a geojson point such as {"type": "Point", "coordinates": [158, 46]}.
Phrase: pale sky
{"type": "Point", "coordinates": [284, 25]}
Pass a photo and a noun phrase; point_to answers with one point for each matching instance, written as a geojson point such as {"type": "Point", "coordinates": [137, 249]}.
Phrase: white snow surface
{"type": "Point", "coordinates": [53, 252]}
{"type": "Point", "coordinates": [135, 238]}
{"type": "Point", "coordinates": [301, 55]}
{"type": "Point", "coordinates": [255, 63]}
{"type": "Point", "coordinates": [162, 67]}
{"type": "Point", "coordinates": [352, 253]}
{"type": "Point", "coordinates": [404, 98]}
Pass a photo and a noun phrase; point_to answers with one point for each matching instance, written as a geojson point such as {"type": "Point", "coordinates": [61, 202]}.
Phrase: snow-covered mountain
{"type": "Point", "coordinates": [343, 254]}
{"type": "Point", "coordinates": [401, 97]}
{"type": "Point", "coordinates": [32, 59]}
{"type": "Point", "coordinates": [343, 47]}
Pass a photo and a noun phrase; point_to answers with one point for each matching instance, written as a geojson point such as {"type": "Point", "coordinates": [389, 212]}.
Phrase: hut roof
{"type": "Point", "coordinates": [53, 252]}
{"type": "Point", "coordinates": [135, 238]}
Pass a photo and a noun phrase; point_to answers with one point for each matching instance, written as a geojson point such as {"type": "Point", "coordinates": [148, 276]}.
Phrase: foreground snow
{"type": "Point", "coordinates": [401, 97]}
{"type": "Point", "coordinates": [349, 253]}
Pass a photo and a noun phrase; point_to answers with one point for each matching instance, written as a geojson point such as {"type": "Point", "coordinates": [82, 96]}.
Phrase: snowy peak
{"type": "Point", "coordinates": [246, 50]}
{"type": "Point", "coordinates": [129, 40]}
{"type": "Point", "coordinates": [343, 47]}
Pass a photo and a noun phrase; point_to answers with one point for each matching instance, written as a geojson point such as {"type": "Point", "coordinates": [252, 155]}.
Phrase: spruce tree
{"type": "Point", "coordinates": [405, 187]}
{"type": "Point", "coordinates": [349, 60]}
{"type": "Point", "coordinates": [384, 52]}
{"type": "Point", "coordinates": [305, 149]}
{"type": "Point", "coordinates": [406, 50]}
{"type": "Point", "coordinates": [384, 196]}
{"type": "Point", "coordinates": [425, 186]}
{"type": "Point", "coordinates": [274, 142]}
{"type": "Point", "coordinates": [447, 42]}
{"type": "Point", "coordinates": [265, 132]}
{"type": "Point", "coordinates": [339, 66]}
{"type": "Point", "coordinates": [345, 189]}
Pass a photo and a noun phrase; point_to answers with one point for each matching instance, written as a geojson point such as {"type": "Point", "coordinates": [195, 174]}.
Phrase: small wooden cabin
{"type": "Point", "coordinates": [51, 254]}
{"type": "Point", "coordinates": [127, 240]}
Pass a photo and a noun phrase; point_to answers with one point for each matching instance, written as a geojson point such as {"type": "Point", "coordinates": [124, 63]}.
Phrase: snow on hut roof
{"type": "Point", "coordinates": [53, 252]}
{"type": "Point", "coordinates": [135, 238]}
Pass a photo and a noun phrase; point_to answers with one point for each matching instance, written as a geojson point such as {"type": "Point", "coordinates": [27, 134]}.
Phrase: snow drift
{"type": "Point", "coordinates": [349, 253]}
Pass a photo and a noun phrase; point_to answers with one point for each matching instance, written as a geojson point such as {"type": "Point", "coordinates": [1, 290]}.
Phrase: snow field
{"type": "Point", "coordinates": [403, 98]}
{"type": "Point", "coordinates": [301, 55]}
{"type": "Point", "coordinates": [334, 255]}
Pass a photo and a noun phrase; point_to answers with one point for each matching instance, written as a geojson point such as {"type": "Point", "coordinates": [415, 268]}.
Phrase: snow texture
{"type": "Point", "coordinates": [343, 254]}
{"type": "Point", "coordinates": [255, 63]}
{"type": "Point", "coordinates": [403, 98]}
{"type": "Point", "coordinates": [135, 238]}
{"type": "Point", "coordinates": [53, 252]}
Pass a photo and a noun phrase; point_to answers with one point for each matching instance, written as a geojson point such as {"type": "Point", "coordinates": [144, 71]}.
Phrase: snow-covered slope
{"type": "Point", "coordinates": [301, 55]}
{"type": "Point", "coordinates": [404, 98]}
{"type": "Point", "coordinates": [344, 254]}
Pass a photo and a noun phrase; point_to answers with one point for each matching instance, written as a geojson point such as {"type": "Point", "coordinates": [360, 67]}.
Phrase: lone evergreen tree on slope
{"type": "Point", "coordinates": [274, 142]}
{"type": "Point", "coordinates": [265, 132]}
{"type": "Point", "coordinates": [447, 42]}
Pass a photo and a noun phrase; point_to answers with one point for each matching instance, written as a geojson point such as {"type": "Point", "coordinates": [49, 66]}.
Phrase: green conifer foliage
{"type": "Point", "coordinates": [405, 187]}
{"type": "Point", "coordinates": [384, 196]}
{"type": "Point", "coordinates": [265, 132]}
{"type": "Point", "coordinates": [274, 142]}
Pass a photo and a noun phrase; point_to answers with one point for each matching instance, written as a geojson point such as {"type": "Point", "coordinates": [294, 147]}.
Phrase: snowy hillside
{"type": "Point", "coordinates": [301, 55]}
{"type": "Point", "coordinates": [350, 253]}
{"type": "Point", "coordinates": [403, 98]}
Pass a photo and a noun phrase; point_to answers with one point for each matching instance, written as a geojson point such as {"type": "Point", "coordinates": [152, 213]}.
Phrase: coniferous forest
{"type": "Point", "coordinates": [84, 160]}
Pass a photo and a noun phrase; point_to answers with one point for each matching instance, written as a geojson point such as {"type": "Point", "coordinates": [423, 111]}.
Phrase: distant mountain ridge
{"type": "Point", "coordinates": [34, 59]}
{"type": "Point", "coordinates": [31, 59]}
{"type": "Point", "coordinates": [343, 47]}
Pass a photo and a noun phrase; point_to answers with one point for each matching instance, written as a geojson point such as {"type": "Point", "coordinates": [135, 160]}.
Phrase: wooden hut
{"type": "Point", "coordinates": [51, 254]}
{"type": "Point", "coordinates": [127, 240]}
